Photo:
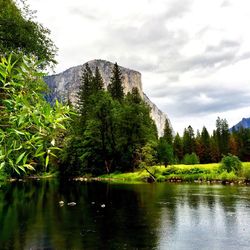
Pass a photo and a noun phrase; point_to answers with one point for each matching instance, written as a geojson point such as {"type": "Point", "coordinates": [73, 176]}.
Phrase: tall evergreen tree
{"type": "Point", "coordinates": [178, 148]}
{"type": "Point", "coordinates": [222, 135]}
{"type": "Point", "coordinates": [205, 157]}
{"type": "Point", "coordinates": [188, 140]}
{"type": "Point", "coordinates": [115, 87]}
{"type": "Point", "coordinates": [168, 133]}
{"type": "Point", "coordinates": [97, 83]}
{"type": "Point", "coordinates": [136, 129]}
{"type": "Point", "coordinates": [215, 152]}
{"type": "Point", "coordinates": [85, 91]}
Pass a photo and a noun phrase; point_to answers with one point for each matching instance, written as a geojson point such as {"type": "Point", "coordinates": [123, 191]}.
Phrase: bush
{"type": "Point", "coordinates": [231, 163]}
{"type": "Point", "coordinates": [246, 173]}
{"type": "Point", "coordinates": [191, 159]}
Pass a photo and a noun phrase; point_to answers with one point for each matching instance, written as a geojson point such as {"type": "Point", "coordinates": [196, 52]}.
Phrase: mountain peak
{"type": "Point", "coordinates": [244, 123]}
{"type": "Point", "coordinates": [65, 86]}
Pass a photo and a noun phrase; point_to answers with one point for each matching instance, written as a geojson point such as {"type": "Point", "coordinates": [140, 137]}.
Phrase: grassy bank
{"type": "Point", "coordinates": [188, 173]}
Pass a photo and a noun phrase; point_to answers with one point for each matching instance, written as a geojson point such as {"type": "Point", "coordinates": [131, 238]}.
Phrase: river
{"type": "Point", "coordinates": [123, 216]}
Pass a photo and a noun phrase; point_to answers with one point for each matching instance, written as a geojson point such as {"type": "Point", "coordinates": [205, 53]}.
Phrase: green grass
{"type": "Point", "coordinates": [189, 173]}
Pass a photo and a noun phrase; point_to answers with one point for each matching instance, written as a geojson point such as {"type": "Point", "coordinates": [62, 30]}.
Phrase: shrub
{"type": "Point", "coordinates": [190, 159]}
{"type": "Point", "coordinates": [231, 163]}
{"type": "Point", "coordinates": [246, 173]}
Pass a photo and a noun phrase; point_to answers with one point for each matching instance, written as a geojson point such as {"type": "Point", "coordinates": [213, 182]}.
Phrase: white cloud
{"type": "Point", "coordinates": [193, 55]}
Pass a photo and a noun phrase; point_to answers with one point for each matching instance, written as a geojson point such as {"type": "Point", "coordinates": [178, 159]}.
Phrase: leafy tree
{"type": "Point", "coordinates": [165, 152]}
{"type": "Point", "coordinates": [191, 159]}
{"type": "Point", "coordinates": [30, 129]}
{"type": "Point", "coordinates": [115, 87]}
{"type": "Point", "coordinates": [168, 133]}
{"type": "Point", "coordinates": [233, 145]}
{"type": "Point", "coordinates": [231, 163]}
{"type": "Point", "coordinates": [149, 154]}
{"type": "Point", "coordinates": [20, 33]}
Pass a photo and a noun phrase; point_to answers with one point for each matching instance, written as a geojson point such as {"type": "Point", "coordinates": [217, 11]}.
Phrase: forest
{"type": "Point", "coordinates": [106, 131]}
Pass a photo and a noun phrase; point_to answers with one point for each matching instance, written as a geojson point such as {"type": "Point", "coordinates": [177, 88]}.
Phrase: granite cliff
{"type": "Point", "coordinates": [65, 86]}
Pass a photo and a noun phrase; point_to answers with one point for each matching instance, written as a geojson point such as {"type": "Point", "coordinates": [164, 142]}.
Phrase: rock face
{"type": "Point", "coordinates": [65, 86]}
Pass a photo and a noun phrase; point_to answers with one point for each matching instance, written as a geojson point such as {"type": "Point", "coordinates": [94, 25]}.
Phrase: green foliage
{"type": "Point", "coordinates": [246, 173]}
{"type": "Point", "coordinates": [188, 140]}
{"type": "Point", "coordinates": [30, 129]}
{"type": "Point", "coordinates": [165, 152]}
{"type": "Point", "coordinates": [222, 135]}
{"type": "Point", "coordinates": [111, 133]}
{"type": "Point", "coordinates": [115, 87]}
{"type": "Point", "coordinates": [231, 163]}
{"type": "Point", "coordinates": [149, 154]}
{"type": "Point", "coordinates": [168, 133]}
{"type": "Point", "coordinates": [20, 33]}
{"type": "Point", "coordinates": [190, 159]}
{"type": "Point", "coordinates": [178, 148]}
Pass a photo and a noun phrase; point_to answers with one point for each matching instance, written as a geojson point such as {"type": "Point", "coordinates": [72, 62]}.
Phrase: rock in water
{"type": "Point", "coordinates": [71, 204]}
{"type": "Point", "coordinates": [65, 86]}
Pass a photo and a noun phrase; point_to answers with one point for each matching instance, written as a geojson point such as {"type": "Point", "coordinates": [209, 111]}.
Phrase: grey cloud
{"type": "Point", "coordinates": [82, 13]}
{"type": "Point", "coordinates": [177, 9]}
{"type": "Point", "coordinates": [223, 45]}
{"type": "Point", "coordinates": [225, 3]}
{"type": "Point", "coordinates": [186, 100]}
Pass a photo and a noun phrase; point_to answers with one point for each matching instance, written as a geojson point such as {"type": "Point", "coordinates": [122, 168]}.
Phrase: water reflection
{"type": "Point", "coordinates": [123, 216]}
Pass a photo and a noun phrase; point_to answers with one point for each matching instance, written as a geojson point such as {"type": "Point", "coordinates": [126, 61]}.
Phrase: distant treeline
{"type": "Point", "coordinates": [211, 148]}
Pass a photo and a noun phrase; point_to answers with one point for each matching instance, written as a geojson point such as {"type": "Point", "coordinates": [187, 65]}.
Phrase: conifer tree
{"type": "Point", "coordinates": [222, 135]}
{"type": "Point", "coordinates": [168, 133]}
{"type": "Point", "coordinates": [85, 91]}
{"type": "Point", "coordinates": [115, 87]}
{"type": "Point", "coordinates": [188, 141]}
{"type": "Point", "coordinates": [205, 157]}
{"type": "Point", "coordinates": [97, 83]}
{"type": "Point", "coordinates": [178, 148]}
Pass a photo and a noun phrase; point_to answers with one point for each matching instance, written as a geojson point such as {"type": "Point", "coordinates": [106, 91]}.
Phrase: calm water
{"type": "Point", "coordinates": [135, 216]}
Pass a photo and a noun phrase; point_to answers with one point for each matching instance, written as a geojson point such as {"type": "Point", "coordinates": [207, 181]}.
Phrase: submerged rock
{"type": "Point", "coordinates": [61, 203]}
{"type": "Point", "coordinates": [71, 204]}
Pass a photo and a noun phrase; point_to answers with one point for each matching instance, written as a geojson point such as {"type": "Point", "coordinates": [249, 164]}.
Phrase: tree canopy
{"type": "Point", "coordinates": [19, 32]}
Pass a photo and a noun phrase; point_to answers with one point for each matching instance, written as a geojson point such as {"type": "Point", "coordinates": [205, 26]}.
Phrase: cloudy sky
{"type": "Point", "coordinates": [194, 55]}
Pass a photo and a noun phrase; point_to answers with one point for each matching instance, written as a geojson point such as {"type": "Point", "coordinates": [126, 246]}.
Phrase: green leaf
{"type": "Point", "coordinates": [2, 165]}
{"type": "Point", "coordinates": [29, 167]}
{"type": "Point", "coordinates": [47, 161]}
{"type": "Point", "coordinates": [20, 157]}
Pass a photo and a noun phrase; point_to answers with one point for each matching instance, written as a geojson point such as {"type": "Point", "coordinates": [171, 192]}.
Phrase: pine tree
{"type": "Point", "coordinates": [205, 157]}
{"type": "Point", "coordinates": [97, 83]}
{"type": "Point", "coordinates": [178, 148]}
{"type": "Point", "coordinates": [222, 135]}
{"type": "Point", "coordinates": [85, 91]}
{"type": "Point", "coordinates": [188, 140]}
{"type": "Point", "coordinates": [115, 87]}
{"type": "Point", "coordinates": [168, 133]}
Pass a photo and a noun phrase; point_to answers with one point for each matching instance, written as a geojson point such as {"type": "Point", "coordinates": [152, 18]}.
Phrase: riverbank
{"type": "Point", "coordinates": [202, 173]}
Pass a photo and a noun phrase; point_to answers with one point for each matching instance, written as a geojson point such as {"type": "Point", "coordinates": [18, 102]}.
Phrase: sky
{"type": "Point", "coordinates": [194, 55]}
